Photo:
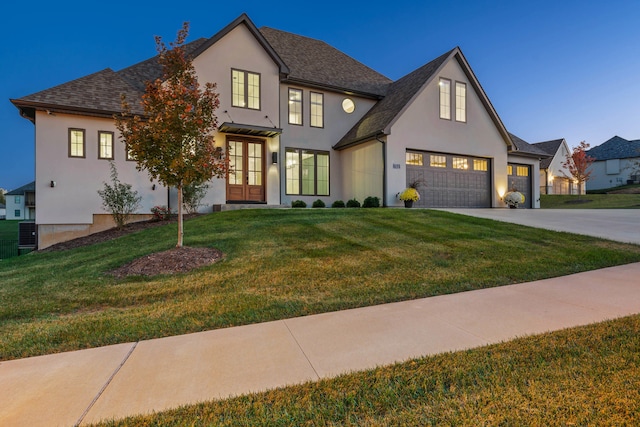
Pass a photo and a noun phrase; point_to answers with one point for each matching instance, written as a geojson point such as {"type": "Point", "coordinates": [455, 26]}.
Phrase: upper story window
{"type": "Point", "coordinates": [445, 99]}
{"type": "Point", "coordinates": [461, 102]}
{"type": "Point", "coordinates": [76, 143]}
{"type": "Point", "coordinates": [348, 106]}
{"type": "Point", "coordinates": [317, 109]}
{"type": "Point", "coordinates": [245, 89]}
{"type": "Point", "coordinates": [17, 200]}
{"type": "Point", "coordinates": [105, 145]}
{"type": "Point", "coordinates": [295, 106]}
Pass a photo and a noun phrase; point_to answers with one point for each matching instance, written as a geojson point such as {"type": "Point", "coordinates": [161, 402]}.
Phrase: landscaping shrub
{"type": "Point", "coordinates": [298, 204]}
{"type": "Point", "coordinates": [337, 204]}
{"type": "Point", "coordinates": [160, 213]}
{"type": "Point", "coordinates": [371, 202]}
{"type": "Point", "coordinates": [318, 204]}
{"type": "Point", "coordinates": [353, 203]}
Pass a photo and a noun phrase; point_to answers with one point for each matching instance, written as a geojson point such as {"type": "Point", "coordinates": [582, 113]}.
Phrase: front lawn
{"type": "Point", "coordinates": [586, 376]}
{"type": "Point", "coordinates": [278, 264]}
{"type": "Point", "coordinates": [9, 229]}
{"type": "Point", "coordinates": [590, 201]}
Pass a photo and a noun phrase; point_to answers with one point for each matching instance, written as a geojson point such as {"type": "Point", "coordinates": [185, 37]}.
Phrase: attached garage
{"type": "Point", "coordinates": [450, 180]}
{"type": "Point", "coordinates": [520, 179]}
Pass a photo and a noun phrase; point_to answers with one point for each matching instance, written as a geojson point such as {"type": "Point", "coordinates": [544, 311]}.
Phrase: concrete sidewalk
{"type": "Point", "coordinates": [113, 382]}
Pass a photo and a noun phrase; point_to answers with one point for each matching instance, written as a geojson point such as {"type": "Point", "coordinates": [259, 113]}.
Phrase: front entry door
{"type": "Point", "coordinates": [245, 180]}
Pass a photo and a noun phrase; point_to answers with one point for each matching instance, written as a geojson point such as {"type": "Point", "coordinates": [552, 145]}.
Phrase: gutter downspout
{"type": "Point", "coordinates": [384, 171]}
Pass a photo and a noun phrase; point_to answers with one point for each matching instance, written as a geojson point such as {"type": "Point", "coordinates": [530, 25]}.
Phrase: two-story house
{"type": "Point", "coordinates": [299, 120]}
{"type": "Point", "coordinates": [21, 203]}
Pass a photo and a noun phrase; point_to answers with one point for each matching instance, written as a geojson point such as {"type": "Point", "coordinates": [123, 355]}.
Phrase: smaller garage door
{"type": "Point", "coordinates": [520, 180]}
{"type": "Point", "coordinates": [450, 180]}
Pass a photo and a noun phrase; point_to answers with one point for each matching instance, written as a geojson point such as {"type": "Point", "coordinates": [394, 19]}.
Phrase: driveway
{"type": "Point", "coordinates": [622, 225]}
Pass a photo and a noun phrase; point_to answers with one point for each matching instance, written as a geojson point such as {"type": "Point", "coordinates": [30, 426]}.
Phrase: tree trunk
{"type": "Point", "coordinates": [180, 229]}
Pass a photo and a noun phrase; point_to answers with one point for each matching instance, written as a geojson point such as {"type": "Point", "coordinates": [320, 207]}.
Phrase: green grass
{"type": "Point", "coordinates": [278, 264]}
{"type": "Point", "coordinates": [590, 201]}
{"type": "Point", "coordinates": [581, 376]}
{"type": "Point", "coordinates": [9, 230]}
{"type": "Point", "coordinates": [618, 188]}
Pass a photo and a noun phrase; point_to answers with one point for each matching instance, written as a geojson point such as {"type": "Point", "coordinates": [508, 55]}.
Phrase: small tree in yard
{"type": "Point", "coordinates": [119, 199]}
{"type": "Point", "coordinates": [173, 141]}
{"type": "Point", "coordinates": [578, 163]}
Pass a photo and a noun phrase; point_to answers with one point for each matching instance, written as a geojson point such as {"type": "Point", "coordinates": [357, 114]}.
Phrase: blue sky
{"type": "Point", "coordinates": [552, 69]}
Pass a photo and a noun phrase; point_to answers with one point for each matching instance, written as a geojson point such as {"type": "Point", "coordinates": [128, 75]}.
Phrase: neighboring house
{"type": "Point", "coordinates": [617, 162]}
{"type": "Point", "coordinates": [21, 202]}
{"type": "Point", "coordinates": [3, 211]}
{"type": "Point", "coordinates": [299, 120]}
{"type": "Point", "coordinates": [554, 177]}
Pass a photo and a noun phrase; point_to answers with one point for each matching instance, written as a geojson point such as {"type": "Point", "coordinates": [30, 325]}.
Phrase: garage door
{"type": "Point", "coordinates": [449, 180]}
{"type": "Point", "coordinates": [520, 179]}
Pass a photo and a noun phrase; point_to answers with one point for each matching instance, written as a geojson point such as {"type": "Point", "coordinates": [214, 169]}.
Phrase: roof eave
{"type": "Point", "coordinates": [28, 109]}
{"type": "Point", "coordinates": [338, 89]}
{"type": "Point", "coordinates": [342, 146]}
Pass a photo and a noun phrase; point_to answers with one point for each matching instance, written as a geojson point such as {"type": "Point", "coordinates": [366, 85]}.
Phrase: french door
{"type": "Point", "coordinates": [245, 180]}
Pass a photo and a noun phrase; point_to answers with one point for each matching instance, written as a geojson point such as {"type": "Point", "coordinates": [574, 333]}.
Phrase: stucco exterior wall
{"type": "Point", "coordinates": [421, 128]}
{"type": "Point", "coordinates": [336, 124]}
{"type": "Point", "coordinates": [74, 198]}
{"type": "Point", "coordinates": [362, 171]}
{"type": "Point", "coordinates": [602, 176]}
{"type": "Point", "coordinates": [240, 50]}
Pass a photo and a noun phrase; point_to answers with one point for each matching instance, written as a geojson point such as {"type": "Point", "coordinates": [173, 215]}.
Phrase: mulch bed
{"type": "Point", "coordinates": [176, 260]}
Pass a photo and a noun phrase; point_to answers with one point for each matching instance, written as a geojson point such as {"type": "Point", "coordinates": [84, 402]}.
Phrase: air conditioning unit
{"type": "Point", "coordinates": [27, 234]}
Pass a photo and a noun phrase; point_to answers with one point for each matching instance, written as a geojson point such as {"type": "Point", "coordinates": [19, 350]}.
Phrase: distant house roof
{"type": "Point", "coordinates": [549, 147]}
{"type": "Point", "coordinates": [616, 148]}
{"type": "Point", "coordinates": [523, 147]}
{"type": "Point", "coordinates": [21, 190]}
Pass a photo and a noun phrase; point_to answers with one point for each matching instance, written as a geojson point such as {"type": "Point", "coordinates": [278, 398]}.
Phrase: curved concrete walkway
{"type": "Point", "coordinates": [622, 225]}
{"type": "Point", "coordinates": [116, 381]}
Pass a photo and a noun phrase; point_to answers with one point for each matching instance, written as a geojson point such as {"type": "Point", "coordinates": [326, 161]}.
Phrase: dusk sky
{"type": "Point", "coordinates": [552, 69]}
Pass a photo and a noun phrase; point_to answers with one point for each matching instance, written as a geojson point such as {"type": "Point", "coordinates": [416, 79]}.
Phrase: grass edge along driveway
{"type": "Point", "coordinates": [278, 264]}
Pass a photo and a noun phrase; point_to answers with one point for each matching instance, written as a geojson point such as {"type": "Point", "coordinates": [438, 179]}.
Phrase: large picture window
{"type": "Point", "coordinates": [76, 143]}
{"type": "Point", "coordinates": [307, 172]}
{"type": "Point", "coordinates": [245, 89]}
{"type": "Point", "coordinates": [105, 145]}
{"type": "Point", "coordinates": [295, 106]}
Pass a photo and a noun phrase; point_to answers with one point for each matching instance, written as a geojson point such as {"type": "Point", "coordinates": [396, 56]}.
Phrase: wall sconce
{"type": "Point", "coordinates": [153, 187]}
{"type": "Point", "coordinates": [53, 184]}
{"type": "Point", "coordinates": [274, 158]}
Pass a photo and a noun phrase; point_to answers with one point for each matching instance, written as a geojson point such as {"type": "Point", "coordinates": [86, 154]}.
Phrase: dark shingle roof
{"type": "Point", "coordinates": [314, 61]}
{"type": "Point", "coordinates": [524, 147]}
{"type": "Point", "coordinates": [21, 190]}
{"type": "Point", "coordinates": [616, 148]}
{"type": "Point", "coordinates": [549, 147]}
{"type": "Point", "coordinates": [398, 96]}
{"type": "Point", "coordinates": [100, 92]}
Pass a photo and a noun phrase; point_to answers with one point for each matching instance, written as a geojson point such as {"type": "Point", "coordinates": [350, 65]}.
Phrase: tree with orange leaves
{"type": "Point", "coordinates": [173, 140]}
{"type": "Point", "coordinates": [578, 163]}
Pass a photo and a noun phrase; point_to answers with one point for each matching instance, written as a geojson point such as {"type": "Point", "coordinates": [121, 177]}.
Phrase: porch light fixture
{"type": "Point", "coordinates": [53, 184]}
{"type": "Point", "coordinates": [274, 158]}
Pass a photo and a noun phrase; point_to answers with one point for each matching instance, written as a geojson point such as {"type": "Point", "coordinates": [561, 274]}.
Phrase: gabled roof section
{"type": "Point", "coordinates": [21, 190]}
{"type": "Point", "coordinates": [549, 147]}
{"type": "Point", "coordinates": [401, 94]}
{"type": "Point", "coordinates": [99, 93]}
{"type": "Point", "coordinates": [314, 62]}
{"type": "Point", "coordinates": [244, 20]}
{"type": "Point", "coordinates": [616, 148]}
{"type": "Point", "coordinates": [520, 146]}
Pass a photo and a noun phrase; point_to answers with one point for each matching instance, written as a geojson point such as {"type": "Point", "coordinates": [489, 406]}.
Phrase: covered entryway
{"type": "Point", "coordinates": [450, 180]}
{"type": "Point", "coordinates": [246, 180]}
{"type": "Point", "coordinates": [519, 177]}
